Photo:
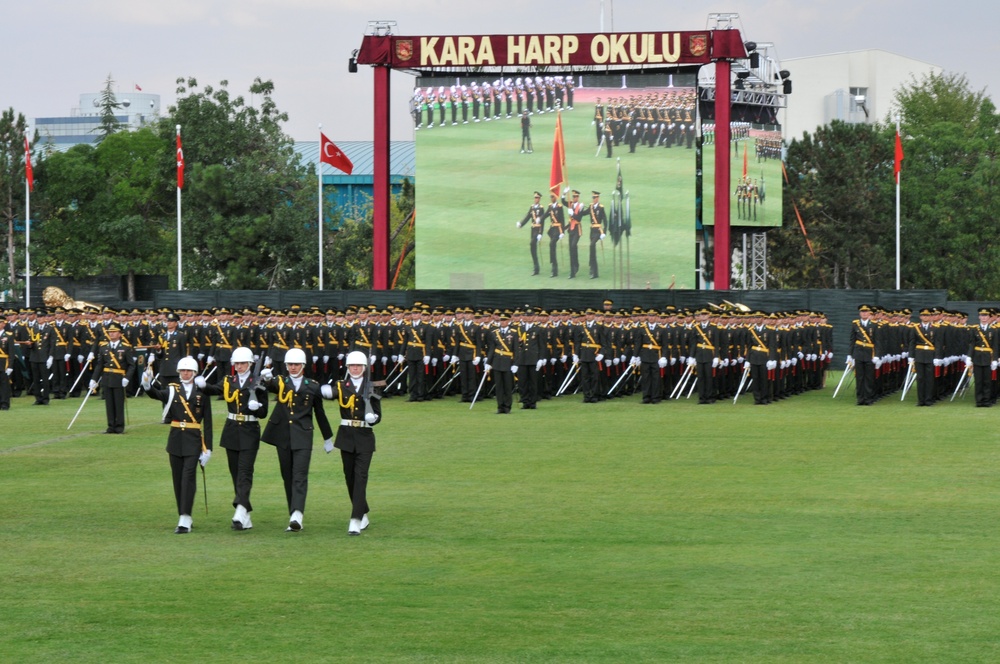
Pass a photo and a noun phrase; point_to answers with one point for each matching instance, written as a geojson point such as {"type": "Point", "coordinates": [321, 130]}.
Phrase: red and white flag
{"type": "Point", "coordinates": [899, 158]}
{"type": "Point", "coordinates": [330, 154]}
{"type": "Point", "coordinates": [28, 174]}
{"type": "Point", "coordinates": [180, 162]}
{"type": "Point", "coordinates": [138, 88]}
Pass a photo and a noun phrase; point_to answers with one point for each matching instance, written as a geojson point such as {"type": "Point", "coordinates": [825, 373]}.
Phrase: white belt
{"type": "Point", "coordinates": [239, 417]}
{"type": "Point", "coordinates": [354, 423]}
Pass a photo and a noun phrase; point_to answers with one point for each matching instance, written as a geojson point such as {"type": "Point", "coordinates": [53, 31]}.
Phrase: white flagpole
{"type": "Point", "coordinates": [319, 198]}
{"type": "Point", "coordinates": [180, 278]}
{"type": "Point", "coordinates": [27, 243]}
{"type": "Point", "coordinates": [898, 177]}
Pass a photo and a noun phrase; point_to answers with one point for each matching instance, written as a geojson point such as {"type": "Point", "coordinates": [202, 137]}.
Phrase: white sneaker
{"type": "Point", "coordinates": [364, 522]}
{"type": "Point", "coordinates": [354, 527]}
{"type": "Point", "coordinates": [295, 522]}
{"type": "Point", "coordinates": [239, 518]}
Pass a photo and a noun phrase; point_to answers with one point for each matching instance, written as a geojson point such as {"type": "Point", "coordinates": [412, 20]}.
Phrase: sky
{"type": "Point", "coordinates": [58, 49]}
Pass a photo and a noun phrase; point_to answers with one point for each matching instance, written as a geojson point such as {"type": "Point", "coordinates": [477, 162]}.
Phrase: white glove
{"type": "Point", "coordinates": [446, 357]}
{"type": "Point", "coordinates": [66, 357]}
{"type": "Point", "coordinates": [427, 359]}
{"type": "Point", "coordinates": [850, 361]}
{"type": "Point", "coordinates": [906, 353]}
{"type": "Point", "coordinates": [725, 362]}
{"type": "Point", "coordinates": [201, 356]}
{"type": "Point", "coordinates": [911, 362]}
{"type": "Point", "coordinates": [454, 359]}
{"type": "Point", "coordinates": [92, 385]}
{"type": "Point", "coordinates": [539, 364]}
{"type": "Point", "coordinates": [662, 363]}
{"type": "Point", "coordinates": [565, 190]}
{"type": "Point", "coordinates": [877, 362]}
{"type": "Point", "coordinates": [690, 362]}
{"type": "Point", "coordinates": [90, 356]}
{"type": "Point", "coordinates": [553, 360]}
{"type": "Point", "coordinates": [771, 365]}
{"type": "Point", "coordinates": [602, 236]}
{"type": "Point", "coordinates": [326, 359]}
{"type": "Point", "coordinates": [371, 418]}
{"type": "Point", "coordinates": [340, 356]}
{"type": "Point", "coordinates": [268, 362]}
{"type": "Point", "coordinates": [518, 224]}
{"type": "Point", "coordinates": [783, 364]}
{"type": "Point", "coordinates": [210, 361]}
{"type": "Point", "coordinates": [204, 457]}
{"type": "Point", "coordinates": [434, 362]}
{"type": "Point", "coordinates": [200, 382]}
{"type": "Point", "coordinates": [513, 369]}
{"type": "Point", "coordinates": [993, 365]}
{"type": "Point", "coordinates": [486, 366]}
{"type": "Point", "coordinates": [793, 361]}
{"type": "Point", "coordinates": [256, 356]}
{"type": "Point", "coordinates": [538, 238]}
{"type": "Point", "coordinates": [715, 362]}
{"type": "Point", "coordinates": [328, 443]}
{"type": "Point", "coordinates": [79, 358]}
{"type": "Point", "coordinates": [48, 363]}
{"type": "Point", "coordinates": [326, 391]}
{"type": "Point", "coordinates": [395, 359]}
{"type": "Point", "coordinates": [938, 363]}
{"type": "Point", "coordinates": [673, 361]}
{"type": "Point", "coordinates": [607, 363]}
{"type": "Point", "coordinates": [371, 360]}
{"type": "Point", "coordinates": [600, 356]}
{"type": "Point", "coordinates": [9, 371]}
{"type": "Point", "coordinates": [576, 358]}
{"type": "Point", "coordinates": [253, 404]}
{"type": "Point", "coordinates": [266, 373]}
{"type": "Point", "coordinates": [683, 360]}
{"type": "Point", "coordinates": [800, 355]}
{"type": "Point", "coordinates": [475, 361]}
{"type": "Point", "coordinates": [561, 235]}
{"type": "Point", "coordinates": [635, 361]}
{"type": "Point", "coordinates": [562, 358]}
{"type": "Point", "coordinates": [124, 382]}
{"type": "Point", "coordinates": [147, 378]}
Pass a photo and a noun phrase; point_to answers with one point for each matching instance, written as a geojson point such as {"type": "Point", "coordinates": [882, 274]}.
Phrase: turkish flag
{"type": "Point", "coordinates": [180, 162]}
{"type": "Point", "coordinates": [557, 176]}
{"type": "Point", "coordinates": [330, 154]}
{"type": "Point", "coordinates": [28, 175]}
{"type": "Point", "coordinates": [899, 158]}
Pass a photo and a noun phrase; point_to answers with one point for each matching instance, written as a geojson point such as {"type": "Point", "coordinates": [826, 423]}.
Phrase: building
{"type": "Point", "coordinates": [83, 123]}
{"type": "Point", "coordinates": [855, 86]}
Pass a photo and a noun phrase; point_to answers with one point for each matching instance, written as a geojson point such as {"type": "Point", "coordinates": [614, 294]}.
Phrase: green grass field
{"type": "Point", "coordinates": [475, 185]}
{"type": "Point", "coordinates": [807, 531]}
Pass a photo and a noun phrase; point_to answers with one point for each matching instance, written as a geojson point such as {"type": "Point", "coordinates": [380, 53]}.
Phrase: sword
{"type": "Point", "coordinates": [450, 381]}
{"type": "Point", "coordinates": [570, 375]}
{"type": "Point", "coordinates": [621, 378]}
{"type": "Point", "coordinates": [847, 369]}
{"type": "Point", "coordinates": [441, 377]}
{"type": "Point", "coordinates": [77, 381]}
{"type": "Point", "coordinates": [80, 409]}
{"type": "Point", "coordinates": [691, 391]}
{"type": "Point", "coordinates": [743, 380]}
{"type": "Point", "coordinates": [679, 388]}
{"type": "Point", "coordinates": [910, 377]}
{"type": "Point", "coordinates": [397, 377]}
{"type": "Point", "coordinates": [961, 381]}
{"type": "Point", "coordinates": [483, 380]}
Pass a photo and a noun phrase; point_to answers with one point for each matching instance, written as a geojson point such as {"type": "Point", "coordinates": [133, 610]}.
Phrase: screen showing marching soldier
{"type": "Point", "coordinates": [577, 180]}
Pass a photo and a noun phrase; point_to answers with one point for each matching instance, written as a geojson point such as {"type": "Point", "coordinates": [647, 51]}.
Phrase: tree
{"type": "Point", "coordinates": [108, 104]}
{"type": "Point", "coordinates": [13, 130]}
{"type": "Point", "coordinates": [249, 208]}
{"type": "Point", "coordinates": [840, 181]}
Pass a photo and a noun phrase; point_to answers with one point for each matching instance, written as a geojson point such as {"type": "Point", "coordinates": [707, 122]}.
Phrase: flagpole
{"type": "Point", "coordinates": [27, 244]}
{"type": "Point", "coordinates": [319, 198]}
{"type": "Point", "coordinates": [898, 173]}
{"type": "Point", "coordinates": [180, 278]}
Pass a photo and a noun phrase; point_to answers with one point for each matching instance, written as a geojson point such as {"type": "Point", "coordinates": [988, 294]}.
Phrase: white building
{"type": "Point", "coordinates": [856, 86]}
{"type": "Point", "coordinates": [82, 124]}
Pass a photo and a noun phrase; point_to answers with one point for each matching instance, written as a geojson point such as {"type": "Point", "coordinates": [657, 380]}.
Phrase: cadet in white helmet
{"type": "Point", "coordinates": [246, 401]}
{"type": "Point", "coordinates": [189, 412]}
{"type": "Point", "coordinates": [360, 410]}
{"type": "Point", "coordinates": [290, 429]}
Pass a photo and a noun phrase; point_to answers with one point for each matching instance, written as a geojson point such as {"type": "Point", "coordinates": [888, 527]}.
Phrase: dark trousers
{"type": "Point", "coordinates": [864, 376]}
{"type": "Point", "coordinates": [761, 385]}
{"type": "Point", "coordinates": [983, 377]}
{"type": "Point", "coordinates": [40, 382]}
{"type": "Point", "coordinates": [418, 379]}
{"type": "Point", "coordinates": [468, 379]}
{"type": "Point", "coordinates": [574, 253]}
{"type": "Point", "coordinates": [706, 384]}
{"type": "Point", "coordinates": [593, 258]}
{"type": "Point", "coordinates": [294, 465]}
{"type": "Point", "coordinates": [114, 408]}
{"type": "Point", "coordinates": [356, 466]}
{"type": "Point", "coordinates": [534, 249]}
{"type": "Point", "coordinates": [527, 385]}
{"type": "Point", "coordinates": [184, 471]}
{"type": "Point", "coordinates": [553, 255]}
{"type": "Point", "coordinates": [4, 390]}
{"type": "Point", "coordinates": [925, 383]}
{"type": "Point", "coordinates": [589, 377]}
{"type": "Point", "coordinates": [649, 381]}
{"type": "Point", "coordinates": [504, 381]}
{"type": "Point", "coordinates": [241, 463]}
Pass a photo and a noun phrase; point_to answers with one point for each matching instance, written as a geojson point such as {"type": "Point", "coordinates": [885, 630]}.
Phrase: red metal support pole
{"type": "Point", "coordinates": [722, 174]}
{"type": "Point", "coordinates": [380, 176]}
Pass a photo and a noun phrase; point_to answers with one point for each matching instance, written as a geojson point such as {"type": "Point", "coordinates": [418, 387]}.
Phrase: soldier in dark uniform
{"type": "Point", "coordinates": [557, 222]}
{"type": "Point", "coordinates": [575, 209]}
{"type": "Point", "coordinates": [190, 439]}
{"type": "Point", "coordinates": [925, 357]}
{"type": "Point", "coordinates": [703, 352]}
{"type": "Point", "coordinates": [174, 345]}
{"type": "Point", "coordinates": [6, 362]}
{"type": "Point", "coordinates": [983, 356]}
{"type": "Point", "coordinates": [290, 429]}
{"type": "Point", "coordinates": [526, 133]}
{"type": "Point", "coordinates": [246, 403]}
{"type": "Point", "coordinates": [360, 410]}
{"type": "Point", "coordinates": [467, 340]}
{"type": "Point", "coordinates": [589, 348]}
{"type": "Point", "coordinates": [536, 217]}
{"type": "Point", "coordinates": [41, 346]}
{"type": "Point", "coordinates": [862, 343]}
{"type": "Point", "coordinates": [598, 220]}
{"type": "Point", "coordinates": [114, 365]}
{"type": "Point", "coordinates": [416, 353]}
{"type": "Point", "coordinates": [529, 357]}
{"type": "Point", "coordinates": [648, 356]}
{"type": "Point", "coordinates": [501, 344]}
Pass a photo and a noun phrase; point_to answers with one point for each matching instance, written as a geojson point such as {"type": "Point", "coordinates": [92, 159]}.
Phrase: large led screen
{"type": "Point", "coordinates": [630, 137]}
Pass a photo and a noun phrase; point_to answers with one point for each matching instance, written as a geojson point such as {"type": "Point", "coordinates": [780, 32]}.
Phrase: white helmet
{"type": "Point", "coordinates": [242, 354]}
{"type": "Point", "coordinates": [356, 357]}
{"type": "Point", "coordinates": [187, 363]}
{"type": "Point", "coordinates": [295, 356]}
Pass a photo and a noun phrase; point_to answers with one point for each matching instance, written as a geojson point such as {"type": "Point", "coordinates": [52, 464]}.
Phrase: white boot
{"type": "Point", "coordinates": [364, 521]}
{"type": "Point", "coordinates": [183, 525]}
{"type": "Point", "coordinates": [354, 527]}
{"type": "Point", "coordinates": [239, 518]}
{"type": "Point", "coordinates": [295, 522]}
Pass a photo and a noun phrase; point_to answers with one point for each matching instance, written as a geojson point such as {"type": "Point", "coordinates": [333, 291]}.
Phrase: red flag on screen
{"type": "Point", "coordinates": [558, 177]}
{"type": "Point", "coordinates": [899, 158]}
{"type": "Point", "coordinates": [180, 162]}
{"type": "Point", "coordinates": [28, 174]}
{"type": "Point", "coordinates": [745, 162]}
{"type": "Point", "coordinates": [330, 154]}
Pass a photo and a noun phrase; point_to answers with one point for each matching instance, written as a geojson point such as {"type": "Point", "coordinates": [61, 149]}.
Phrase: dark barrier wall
{"type": "Point", "coordinates": [841, 306]}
